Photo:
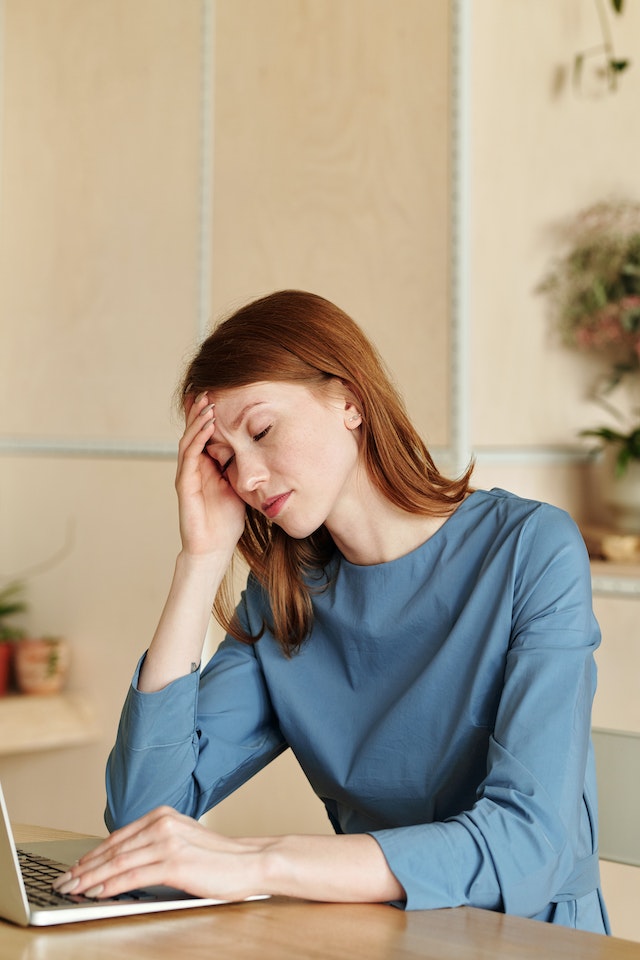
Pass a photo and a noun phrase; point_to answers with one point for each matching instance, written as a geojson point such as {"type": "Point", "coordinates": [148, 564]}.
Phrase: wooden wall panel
{"type": "Point", "coordinates": [332, 171]}
{"type": "Point", "coordinates": [99, 213]}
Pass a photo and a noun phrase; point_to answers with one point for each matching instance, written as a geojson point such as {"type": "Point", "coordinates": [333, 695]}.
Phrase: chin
{"type": "Point", "coordinates": [297, 531]}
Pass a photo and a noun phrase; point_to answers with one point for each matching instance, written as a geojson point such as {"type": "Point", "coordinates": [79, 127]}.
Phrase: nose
{"type": "Point", "coordinates": [251, 472]}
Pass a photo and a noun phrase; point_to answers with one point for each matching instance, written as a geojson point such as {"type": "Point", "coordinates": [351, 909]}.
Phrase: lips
{"type": "Point", "coordinates": [274, 505]}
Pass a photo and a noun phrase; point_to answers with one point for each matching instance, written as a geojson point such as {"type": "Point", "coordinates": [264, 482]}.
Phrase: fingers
{"type": "Point", "coordinates": [189, 401]}
{"type": "Point", "coordinates": [194, 406]}
{"type": "Point", "coordinates": [168, 848]}
{"type": "Point", "coordinates": [200, 415]}
{"type": "Point", "coordinates": [137, 855]}
{"type": "Point", "coordinates": [199, 427]}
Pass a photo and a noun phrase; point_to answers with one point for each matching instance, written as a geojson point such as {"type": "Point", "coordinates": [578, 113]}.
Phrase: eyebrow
{"type": "Point", "coordinates": [245, 410]}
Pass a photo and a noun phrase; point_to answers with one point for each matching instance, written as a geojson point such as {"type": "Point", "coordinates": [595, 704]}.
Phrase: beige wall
{"type": "Point", "coordinates": [540, 152]}
{"type": "Point", "coordinates": [163, 161]}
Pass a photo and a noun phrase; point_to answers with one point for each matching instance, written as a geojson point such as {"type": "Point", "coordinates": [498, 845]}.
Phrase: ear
{"type": "Point", "coordinates": [352, 416]}
{"type": "Point", "coordinates": [352, 405]}
{"type": "Point", "coordinates": [345, 394]}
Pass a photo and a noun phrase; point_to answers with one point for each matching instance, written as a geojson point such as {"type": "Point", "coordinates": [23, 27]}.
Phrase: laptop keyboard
{"type": "Point", "coordinates": [39, 872]}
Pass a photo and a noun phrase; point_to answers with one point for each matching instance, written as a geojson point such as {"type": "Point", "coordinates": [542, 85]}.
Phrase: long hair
{"type": "Point", "coordinates": [298, 337]}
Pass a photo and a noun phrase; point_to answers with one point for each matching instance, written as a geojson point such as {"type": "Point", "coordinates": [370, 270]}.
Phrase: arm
{"type": "Point", "coordinates": [211, 523]}
{"type": "Point", "coordinates": [530, 836]}
{"type": "Point", "coordinates": [195, 741]}
{"type": "Point", "coordinates": [166, 847]}
{"type": "Point", "coordinates": [159, 713]}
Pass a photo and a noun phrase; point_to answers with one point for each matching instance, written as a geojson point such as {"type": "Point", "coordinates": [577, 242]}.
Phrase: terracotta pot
{"type": "Point", "coordinates": [41, 665]}
{"type": "Point", "coordinates": [6, 654]}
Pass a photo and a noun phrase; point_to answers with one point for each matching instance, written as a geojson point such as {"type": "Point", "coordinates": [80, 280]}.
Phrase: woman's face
{"type": "Point", "coordinates": [290, 451]}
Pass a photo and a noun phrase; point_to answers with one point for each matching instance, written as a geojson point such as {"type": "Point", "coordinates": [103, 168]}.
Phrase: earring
{"type": "Point", "coordinates": [356, 416]}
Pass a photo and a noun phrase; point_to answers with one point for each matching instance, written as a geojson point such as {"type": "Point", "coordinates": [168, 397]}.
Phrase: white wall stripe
{"type": "Point", "coordinates": [207, 132]}
{"type": "Point", "coordinates": [460, 332]}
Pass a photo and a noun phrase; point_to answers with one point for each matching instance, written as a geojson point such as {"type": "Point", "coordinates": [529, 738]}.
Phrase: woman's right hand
{"type": "Point", "coordinates": [211, 514]}
{"type": "Point", "coordinates": [212, 519]}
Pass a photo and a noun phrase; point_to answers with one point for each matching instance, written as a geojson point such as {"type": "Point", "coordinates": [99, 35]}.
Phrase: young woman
{"type": "Point", "coordinates": [425, 649]}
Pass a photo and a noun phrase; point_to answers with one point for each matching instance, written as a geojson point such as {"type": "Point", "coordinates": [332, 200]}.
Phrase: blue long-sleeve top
{"type": "Point", "coordinates": [442, 704]}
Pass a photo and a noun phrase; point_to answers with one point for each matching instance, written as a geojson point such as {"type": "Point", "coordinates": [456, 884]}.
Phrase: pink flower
{"type": "Point", "coordinates": [607, 331]}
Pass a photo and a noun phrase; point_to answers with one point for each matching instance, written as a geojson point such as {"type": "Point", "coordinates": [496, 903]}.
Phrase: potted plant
{"type": "Point", "coordinates": [593, 289]}
{"type": "Point", "coordinates": [11, 603]}
{"type": "Point", "coordinates": [40, 664]}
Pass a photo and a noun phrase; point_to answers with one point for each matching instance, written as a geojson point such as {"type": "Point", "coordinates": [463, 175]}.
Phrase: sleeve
{"type": "Point", "coordinates": [193, 743]}
{"type": "Point", "coordinates": [530, 836]}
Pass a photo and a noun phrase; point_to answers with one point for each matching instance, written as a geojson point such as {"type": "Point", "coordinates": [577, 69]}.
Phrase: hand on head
{"type": "Point", "coordinates": [211, 514]}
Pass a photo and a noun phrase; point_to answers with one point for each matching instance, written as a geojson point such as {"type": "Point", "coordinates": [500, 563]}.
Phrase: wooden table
{"type": "Point", "coordinates": [283, 929]}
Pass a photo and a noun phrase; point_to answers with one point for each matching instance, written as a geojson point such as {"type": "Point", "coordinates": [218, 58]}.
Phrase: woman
{"type": "Point", "coordinates": [426, 650]}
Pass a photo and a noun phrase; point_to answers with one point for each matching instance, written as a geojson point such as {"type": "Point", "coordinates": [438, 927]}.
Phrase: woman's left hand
{"type": "Point", "coordinates": [165, 847]}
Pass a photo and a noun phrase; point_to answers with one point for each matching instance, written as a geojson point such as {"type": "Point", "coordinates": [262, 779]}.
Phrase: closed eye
{"type": "Point", "coordinates": [256, 438]}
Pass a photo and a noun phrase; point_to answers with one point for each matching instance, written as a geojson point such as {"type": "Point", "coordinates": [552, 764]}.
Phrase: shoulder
{"type": "Point", "coordinates": [532, 536]}
{"type": "Point", "coordinates": [534, 518]}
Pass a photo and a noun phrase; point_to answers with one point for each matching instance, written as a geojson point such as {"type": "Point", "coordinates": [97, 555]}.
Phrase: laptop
{"type": "Point", "coordinates": [27, 872]}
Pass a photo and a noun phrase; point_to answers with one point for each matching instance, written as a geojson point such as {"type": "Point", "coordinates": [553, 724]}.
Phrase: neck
{"type": "Point", "coordinates": [370, 529]}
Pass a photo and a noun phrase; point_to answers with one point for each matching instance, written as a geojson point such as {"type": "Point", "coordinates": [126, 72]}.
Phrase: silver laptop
{"type": "Point", "coordinates": [27, 872]}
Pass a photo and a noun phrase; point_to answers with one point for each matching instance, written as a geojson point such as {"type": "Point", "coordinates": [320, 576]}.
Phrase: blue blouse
{"type": "Point", "coordinates": [442, 704]}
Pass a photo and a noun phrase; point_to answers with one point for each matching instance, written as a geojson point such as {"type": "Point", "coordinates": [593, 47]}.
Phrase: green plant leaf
{"type": "Point", "coordinates": [622, 462]}
{"type": "Point", "coordinates": [628, 443]}
{"type": "Point", "coordinates": [604, 433]}
{"type": "Point", "coordinates": [618, 65]}
{"type": "Point", "coordinates": [11, 602]}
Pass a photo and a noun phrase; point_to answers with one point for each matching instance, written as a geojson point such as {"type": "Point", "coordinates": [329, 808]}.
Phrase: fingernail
{"type": "Point", "coordinates": [207, 409]}
{"type": "Point", "coordinates": [69, 886]}
{"type": "Point", "coordinates": [64, 878]}
{"type": "Point", "coordinates": [94, 891]}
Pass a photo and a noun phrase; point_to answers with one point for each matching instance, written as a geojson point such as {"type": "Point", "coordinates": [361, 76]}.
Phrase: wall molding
{"type": "Point", "coordinates": [459, 453]}
{"type": "Point", "coordinates": [604, 585]}
{"type": "Point", "coordinates": [207, 154]}
{"type": "Point", "coordinates": [116, 449]}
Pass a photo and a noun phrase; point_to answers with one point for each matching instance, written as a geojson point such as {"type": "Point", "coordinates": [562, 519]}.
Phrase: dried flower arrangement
{"type": "Point", "coordinates": [594, 295]}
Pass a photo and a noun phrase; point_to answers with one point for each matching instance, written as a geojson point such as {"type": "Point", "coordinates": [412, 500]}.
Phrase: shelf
{"type": "Point", "coordinates": [615, 579]}
{"type": "Point", "coordinates": [619, 573]}
{"type": "Point", "coordinates": [48, 722]}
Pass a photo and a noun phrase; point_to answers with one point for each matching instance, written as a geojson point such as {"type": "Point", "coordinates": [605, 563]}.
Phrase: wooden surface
{"type": "Point", "coordinates": [282, 929]}
{"type": "Point", "coordinates": [27, 833]}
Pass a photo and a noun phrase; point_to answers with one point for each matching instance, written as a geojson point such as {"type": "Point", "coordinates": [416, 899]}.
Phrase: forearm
{"type": "Point", "coordinates": [176, 648]}
{"type": "Point", "coordinates": [341, 869]}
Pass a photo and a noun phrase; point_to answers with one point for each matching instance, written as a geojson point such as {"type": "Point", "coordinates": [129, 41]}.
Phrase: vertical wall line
{"type": "Point", "coordinates": [2, 87]}
{"type": "Point", "coordinates": [206, 167]}
{"type": "Point", "coordinates": [460, 234]}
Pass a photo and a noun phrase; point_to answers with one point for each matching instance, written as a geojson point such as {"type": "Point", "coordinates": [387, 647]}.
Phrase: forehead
{"type": "Point", "coordinates": [233, 404]}
{"type": "Point", "coordinates": [267, 390]}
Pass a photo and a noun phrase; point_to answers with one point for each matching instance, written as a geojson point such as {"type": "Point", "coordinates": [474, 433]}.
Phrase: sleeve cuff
{"type": "Point", "coordinates": [165, 717]}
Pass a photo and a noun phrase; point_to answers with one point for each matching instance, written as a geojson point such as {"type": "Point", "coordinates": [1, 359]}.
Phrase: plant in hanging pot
{"type": "Point", "coordinates": [593, 290]}
{"type": "Point", "coordinates": [11, 603]}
